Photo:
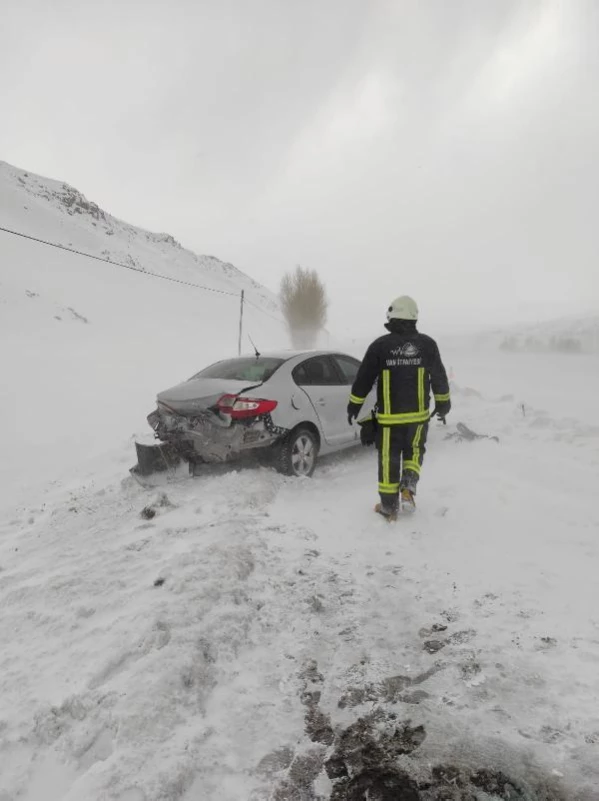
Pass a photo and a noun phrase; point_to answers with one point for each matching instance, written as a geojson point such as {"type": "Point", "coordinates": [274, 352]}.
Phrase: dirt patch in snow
{"type": "Point", "coordinates": [377, 757]}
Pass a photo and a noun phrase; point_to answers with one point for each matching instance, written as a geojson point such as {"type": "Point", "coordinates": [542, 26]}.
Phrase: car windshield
{"type": "Point", "coordinates": [250, 368]}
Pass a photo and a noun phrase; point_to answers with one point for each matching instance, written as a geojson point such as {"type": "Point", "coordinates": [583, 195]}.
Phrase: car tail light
{"type": "Point", "coordinates": [241, 408]}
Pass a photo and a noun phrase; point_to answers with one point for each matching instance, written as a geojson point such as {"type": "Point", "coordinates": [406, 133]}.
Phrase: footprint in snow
{"type": "Point", "coordinates": [435, 644]}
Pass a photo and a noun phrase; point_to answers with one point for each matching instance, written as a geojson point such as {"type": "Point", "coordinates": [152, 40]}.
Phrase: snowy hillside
{"type": "Point", "coordinates": [86, 345]}
{"type": "Point", "coordinates": [567, 335]}
{"type": "Point", "coordinates": [25, 196]}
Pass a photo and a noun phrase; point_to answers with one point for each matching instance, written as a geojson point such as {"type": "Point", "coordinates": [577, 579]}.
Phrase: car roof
{"type": "Point", "coordinates": [285, 355]}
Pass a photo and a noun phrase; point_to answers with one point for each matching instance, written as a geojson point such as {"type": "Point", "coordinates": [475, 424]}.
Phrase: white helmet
{"type": "Point", "coordinates": [403, 308]}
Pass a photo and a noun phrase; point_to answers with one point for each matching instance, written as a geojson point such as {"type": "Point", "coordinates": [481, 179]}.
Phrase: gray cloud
{"type": "Point", "coordinates": [444, 149]}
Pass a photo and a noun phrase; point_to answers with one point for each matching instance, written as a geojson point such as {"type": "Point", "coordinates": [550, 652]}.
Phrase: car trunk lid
{"type": "Point", "coordinates": [200, 394]}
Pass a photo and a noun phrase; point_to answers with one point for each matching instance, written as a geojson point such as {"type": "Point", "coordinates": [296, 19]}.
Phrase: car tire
{"type": "Point", "coordinates": [298, 453]}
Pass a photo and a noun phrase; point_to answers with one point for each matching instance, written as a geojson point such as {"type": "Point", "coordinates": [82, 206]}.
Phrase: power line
{"type": "Point", "coordinates": [121, 264]}
{"type": "Point", "coordinates": [272, 317]}
{"type": "Point", "coordinates": [140, 270]}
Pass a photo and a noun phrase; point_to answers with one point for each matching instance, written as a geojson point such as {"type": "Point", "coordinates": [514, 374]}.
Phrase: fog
{"type": "Point", "coordinates": [444, 150]}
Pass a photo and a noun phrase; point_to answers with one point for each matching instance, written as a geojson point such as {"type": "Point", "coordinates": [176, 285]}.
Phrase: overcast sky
{"type": "Point", "coordinates": [446, 149]}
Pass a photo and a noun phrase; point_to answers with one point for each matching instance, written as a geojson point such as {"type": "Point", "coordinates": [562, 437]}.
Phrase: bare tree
{"type": "Point", "coordinates": [304, 303]}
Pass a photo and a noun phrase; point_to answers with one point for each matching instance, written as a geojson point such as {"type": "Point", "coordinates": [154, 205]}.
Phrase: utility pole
{"type": "Point", "coordinates": [240, 322]}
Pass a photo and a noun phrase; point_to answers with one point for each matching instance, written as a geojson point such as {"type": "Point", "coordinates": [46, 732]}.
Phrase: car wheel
{"type": "Point", "coordinates": [298, 454]}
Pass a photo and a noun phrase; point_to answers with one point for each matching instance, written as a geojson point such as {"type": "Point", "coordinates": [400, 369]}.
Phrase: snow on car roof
{"type": "Point", "coordinates": [290, 354]}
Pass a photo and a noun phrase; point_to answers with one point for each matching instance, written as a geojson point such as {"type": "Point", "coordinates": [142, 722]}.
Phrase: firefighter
{"type": "Point", "coordinates": [406, 365]}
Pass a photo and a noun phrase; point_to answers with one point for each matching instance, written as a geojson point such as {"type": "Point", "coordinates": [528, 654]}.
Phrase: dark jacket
{"type": "Point", "coordinates": [407, 365]}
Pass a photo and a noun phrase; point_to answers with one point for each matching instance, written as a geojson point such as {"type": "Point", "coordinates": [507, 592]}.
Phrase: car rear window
{"type": "Point", "coordinates": [248, 368]}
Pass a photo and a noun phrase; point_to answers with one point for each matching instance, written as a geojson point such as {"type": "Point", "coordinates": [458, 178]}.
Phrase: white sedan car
{"type": "Point", "coordinates": [288, 406]}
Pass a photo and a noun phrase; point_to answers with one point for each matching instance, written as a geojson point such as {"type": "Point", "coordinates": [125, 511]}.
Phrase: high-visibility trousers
{"type": "Point", "coordinates": [401, 453]}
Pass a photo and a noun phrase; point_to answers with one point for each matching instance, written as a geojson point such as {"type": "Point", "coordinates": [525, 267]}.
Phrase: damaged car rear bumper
{"type": "Point", "coordinates": [210, 438]}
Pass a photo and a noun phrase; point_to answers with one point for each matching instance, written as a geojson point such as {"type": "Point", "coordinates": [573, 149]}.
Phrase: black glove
{"type": "Point", "coordinates": [353, 410]}
{"type": "Point", "coordinates": [368, 431]}
{"type": "Point", "coordinates": [441, 410]}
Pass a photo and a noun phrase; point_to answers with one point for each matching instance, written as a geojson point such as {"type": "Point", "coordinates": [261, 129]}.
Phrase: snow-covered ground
{"type": "Point", "coordinates": [229, 646]}
{"type": "Point", "coordinates": [166, 658]}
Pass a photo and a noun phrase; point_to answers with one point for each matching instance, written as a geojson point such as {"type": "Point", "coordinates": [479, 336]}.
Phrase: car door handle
{"type": "Point", "coordinates": [321, 402]}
